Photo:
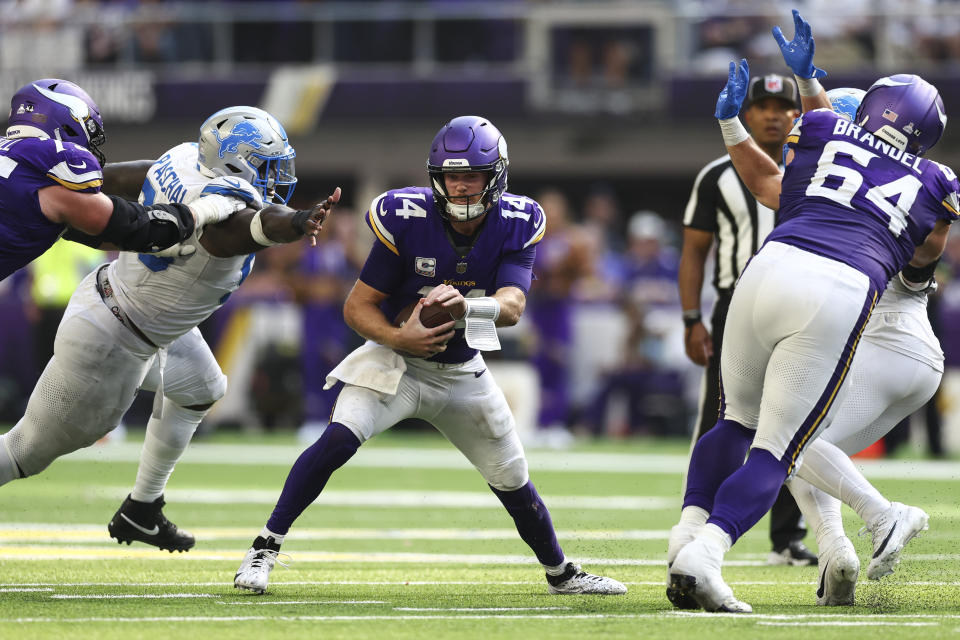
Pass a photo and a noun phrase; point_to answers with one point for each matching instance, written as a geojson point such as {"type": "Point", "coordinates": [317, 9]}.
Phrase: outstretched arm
{"type": "Point", "coordinates": [250, 230]}
{"type": "Point", "coordinates": [798, 54]}
{"type": "Point", "coordinates": [125, 179]}
{"type": "Point", "coordinates": [758, 171]}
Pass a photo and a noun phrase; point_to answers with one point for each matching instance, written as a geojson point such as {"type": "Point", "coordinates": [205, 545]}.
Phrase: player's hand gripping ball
{"type": "Point", "coordinates": [430, 316]}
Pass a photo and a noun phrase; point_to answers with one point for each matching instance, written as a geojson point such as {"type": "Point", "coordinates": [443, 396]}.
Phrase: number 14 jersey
{"type": "Point", "coordinates": [852, 197]}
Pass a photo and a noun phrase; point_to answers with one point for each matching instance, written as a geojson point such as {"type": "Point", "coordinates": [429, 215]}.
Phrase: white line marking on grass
{"type": "Point", "coordinates": [262, 602]}
{"type": "Point", "coordinates": [50, 532]}
{"type": "Point", "coordinates": [449, 458]}
{"type": "Point", "coordinates": [132, 596]}
{"type": "Point", "coordinates": [574, 616]}
{"type": "Point", "coordinates": [481, 608]}
{"type": "Point", "coordinates": [113, 552]}
{"type": "Point", "coordinates": [22, 590]}
{"type": "Point", "coordinates": [812, 616]}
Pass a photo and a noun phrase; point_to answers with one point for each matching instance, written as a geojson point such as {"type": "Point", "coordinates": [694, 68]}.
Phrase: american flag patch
{"type": "Point", "coordinates": [773, 84]}
{"type": "Point", "coordinates": [890, 115]}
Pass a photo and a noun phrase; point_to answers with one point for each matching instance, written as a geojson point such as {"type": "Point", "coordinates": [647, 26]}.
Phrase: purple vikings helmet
{"type": "Point", "coordinates": [57, 109]}
{"type": "Point", "coordinates": [466, 144]}
{"type": "Point", "coordinates": [904, 110]}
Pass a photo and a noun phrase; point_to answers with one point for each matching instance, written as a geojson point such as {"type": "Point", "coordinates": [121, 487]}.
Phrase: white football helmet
{"type": "Point", "coordinates": [249, 143]}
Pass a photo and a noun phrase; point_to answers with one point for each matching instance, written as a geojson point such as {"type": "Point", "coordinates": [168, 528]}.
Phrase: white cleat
{"type": "Point", "coordinates": [696, 574]}
{"type": "Point", "coordinates": [680, 535]}
{"type": "Point", "coordinates": [254, 571]}
{"type": "Point", "coordinates": [897, 526]}
{"type": "Point", "coordinates": [575, 580]}
{"type": "Point", "coordinates": [839, 569]}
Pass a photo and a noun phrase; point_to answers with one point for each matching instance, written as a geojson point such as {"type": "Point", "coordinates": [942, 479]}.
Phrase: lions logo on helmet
{"type": "Point", "coordinates": [249, 143]}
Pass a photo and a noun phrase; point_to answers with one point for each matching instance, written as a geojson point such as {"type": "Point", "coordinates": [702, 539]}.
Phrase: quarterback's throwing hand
{"type": "Point", "coordinates": [730, 99]}
{"type": "Point", "coordinates": [798, 53]}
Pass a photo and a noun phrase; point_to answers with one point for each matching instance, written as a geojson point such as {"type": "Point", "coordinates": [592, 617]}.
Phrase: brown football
{"type": "Point", "coordinates": [431, 316]}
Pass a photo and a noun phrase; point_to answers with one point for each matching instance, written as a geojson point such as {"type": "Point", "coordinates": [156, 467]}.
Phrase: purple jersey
{"type": "Point", "coordinates": [852, 197]}
{"type": "Point", "coordinates": [416, 251]}
{"type": "Point", "coordinates": [26, 166]}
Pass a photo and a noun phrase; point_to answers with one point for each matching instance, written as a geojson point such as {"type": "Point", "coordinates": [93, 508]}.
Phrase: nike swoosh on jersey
{"type": "Point", "coordinates": [82, 165]}
{"type": "Point", "coordinates": [149, 532]}
{"type": "Point", "coordinates": [477, 374]}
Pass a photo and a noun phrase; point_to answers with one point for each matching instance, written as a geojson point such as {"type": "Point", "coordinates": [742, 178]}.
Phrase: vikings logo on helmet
{"type": "Point", "coordinates": [242, 133]}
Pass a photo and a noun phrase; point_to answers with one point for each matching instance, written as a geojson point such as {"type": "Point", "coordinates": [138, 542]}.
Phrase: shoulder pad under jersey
{"type": "Point", "coordinates": [69, 165]}
{"type": "Point", "coordinates": [525, 221]}
{"type": "Point", "coordinates": [234, 188]}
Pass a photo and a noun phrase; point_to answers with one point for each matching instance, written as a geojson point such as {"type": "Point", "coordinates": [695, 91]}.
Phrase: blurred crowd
{"type": "Point", "coordinates": [609, 55]}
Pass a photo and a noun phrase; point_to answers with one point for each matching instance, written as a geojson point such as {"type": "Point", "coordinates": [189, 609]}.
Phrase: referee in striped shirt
{"type": "Point", "coordinates": [722, 208]}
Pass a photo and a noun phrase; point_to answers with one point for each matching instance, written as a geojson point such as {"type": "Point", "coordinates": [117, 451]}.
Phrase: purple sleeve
{"type": "Point", "coordinates": [516, 269]}
{"type": "Point", "coordinates": [383, 269]}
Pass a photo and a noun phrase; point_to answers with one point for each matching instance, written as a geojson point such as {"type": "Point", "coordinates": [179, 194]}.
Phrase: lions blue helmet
{"type": "Point", "coordinates": [249, 143]}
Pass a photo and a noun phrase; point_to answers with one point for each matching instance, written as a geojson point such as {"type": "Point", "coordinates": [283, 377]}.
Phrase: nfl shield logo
{"type": "Point", "coordinates": [461, 267]}
{"type": "Point", "coordinates": [426, 267]}
{"type": "Point", "coordinates": [773, 84]}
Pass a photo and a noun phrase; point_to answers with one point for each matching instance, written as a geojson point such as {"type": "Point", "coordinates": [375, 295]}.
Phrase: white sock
{"type": "Point", "coordinates": [694, 516]}
{"type": "Point", "coordinates": [829, 469]}
{"type": "Point", "coordinates": [8, 466]}
{"type": "Point", "coordinates": [821, 510]}
{"type": "Point", "coordinates": [715, 534]}
{"type": "Point", "coordinates": [164, 444]}
{"type": "Point", "coordinates": [266, 533]}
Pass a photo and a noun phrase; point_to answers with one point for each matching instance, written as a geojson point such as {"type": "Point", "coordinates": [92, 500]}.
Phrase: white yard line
{"type": "Point", "coordinates": [311, 602]}
{"type": "Point", "coordinates": [449, 458]}
{"type": "Point", "coordinates": [132, 596]}
{"type": "Point", "coordinates": [41, 532]}
{"type": "Point", "coordinates": [481, 608]}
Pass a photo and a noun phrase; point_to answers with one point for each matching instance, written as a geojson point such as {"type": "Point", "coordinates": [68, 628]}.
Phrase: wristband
{"type": "Point", "coordinates": [256, 231]}
{"type": "Point", "coordinates": [733, 131]}
{"type": "Point", "coordinates": [691, 317]}
{"type": "Point", "coordinates": [916, 275]}
{"type": "Point", "coordinates": [809, 87]}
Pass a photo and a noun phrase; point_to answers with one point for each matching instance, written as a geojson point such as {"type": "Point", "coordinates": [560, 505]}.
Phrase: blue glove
{"type": "Point", "coordinates": [798, 53]}
{"type": "Point", "coordinates": [728, 104]}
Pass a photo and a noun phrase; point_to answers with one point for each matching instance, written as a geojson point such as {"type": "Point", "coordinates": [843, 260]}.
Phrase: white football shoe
{"type": "Point", "coordinates": [895, 527]}
{"type": "Point", "coordinates": [575, 580]}
{"type": "Point", "coordinates": [680, 535]}
{"type": "Point", "coordinates": [696, 573]}
{"type": "Point", "coordinates": [254, 571]}
{"type": "Point", "coordinates": [839, 569]}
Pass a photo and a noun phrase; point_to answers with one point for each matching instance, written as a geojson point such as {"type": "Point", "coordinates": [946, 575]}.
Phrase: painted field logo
{"type": "Point", "coordinates": [426, 267]}
{"type": "Point", "coordinates": [242, 133]}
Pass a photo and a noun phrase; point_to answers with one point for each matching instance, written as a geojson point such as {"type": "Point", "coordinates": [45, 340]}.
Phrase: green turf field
{"type": "Point", "coordinates": [407, 542]}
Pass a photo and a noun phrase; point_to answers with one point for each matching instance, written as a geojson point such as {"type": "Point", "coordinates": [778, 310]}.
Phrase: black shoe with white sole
{"type": "Point", "coordinates": [145, 522]}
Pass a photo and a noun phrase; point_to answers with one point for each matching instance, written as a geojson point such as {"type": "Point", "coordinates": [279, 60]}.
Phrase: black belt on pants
{"type": "Point", "coordinates": [106, 294]}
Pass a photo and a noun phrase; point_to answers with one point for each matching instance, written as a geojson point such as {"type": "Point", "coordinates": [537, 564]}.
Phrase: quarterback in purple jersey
{"type": "Point", "coordinates": [858, 204]}
{"type": "Point", "coordinates": [467, 246]}
{"type": "Point", "coordinates": [50, 179]}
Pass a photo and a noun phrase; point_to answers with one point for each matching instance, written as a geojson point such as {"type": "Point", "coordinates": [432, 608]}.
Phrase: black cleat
{"type": "Point", "coordinates": [145, 522]}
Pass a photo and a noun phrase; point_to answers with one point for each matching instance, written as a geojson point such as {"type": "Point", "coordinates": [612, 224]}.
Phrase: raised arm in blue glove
{"type": "Point", "coordinates": [798, 53]}
{"type": "Point", "coordinates": [728, 104]}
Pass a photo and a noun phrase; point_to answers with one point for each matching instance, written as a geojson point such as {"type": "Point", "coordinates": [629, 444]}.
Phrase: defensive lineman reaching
{"type": "Point", "coordinates": [141, 312]}
{"type": "Point", "coordinates": [467, 246]}
{"type": "Point", "coordinates": [857, 204]}
{"type": "Point", "coordinates": [50, 179]}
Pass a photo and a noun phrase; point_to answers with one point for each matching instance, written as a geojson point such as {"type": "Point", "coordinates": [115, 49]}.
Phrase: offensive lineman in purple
{"type": "Point", "coordinates": [417, 248]}
{"type": "Point", "coordinates": [824, 208]}
{"type": "Point", "coordinates": [50, 179]}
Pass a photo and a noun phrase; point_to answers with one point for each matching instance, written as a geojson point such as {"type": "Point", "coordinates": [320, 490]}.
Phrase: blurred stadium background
{"type": "Point", "coordinates": [607, 108]}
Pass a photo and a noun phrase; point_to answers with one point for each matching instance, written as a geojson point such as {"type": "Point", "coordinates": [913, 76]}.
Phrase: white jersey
{"type": "Point", "coordinates": [167, 297]}
{"type": "Point", "coordinates": [899, 322]}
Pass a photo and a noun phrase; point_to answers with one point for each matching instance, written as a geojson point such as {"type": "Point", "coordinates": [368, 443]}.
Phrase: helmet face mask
{"type": "Point", "coordinates": [468, 144]}
{"type": "Point", "coordinates": [249, 143]}
{"type": "Point", "coordinates": [57, 109]}
{"type": "Point", "coordinates": [904, 110]}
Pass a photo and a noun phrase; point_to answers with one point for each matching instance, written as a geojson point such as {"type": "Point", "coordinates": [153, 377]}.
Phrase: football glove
{"type": "Point", "coordinates": [728, 104]}
{"type": "Point", "coordinates": [798, 53]}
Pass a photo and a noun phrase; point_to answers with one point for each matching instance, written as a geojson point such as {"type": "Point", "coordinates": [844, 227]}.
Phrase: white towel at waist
{"type": "Point", "coordinates": [373, 366]}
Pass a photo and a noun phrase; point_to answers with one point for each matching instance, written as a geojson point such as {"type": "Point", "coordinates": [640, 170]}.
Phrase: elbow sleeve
{"type": "Point", "coordinates": [135, 227]}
